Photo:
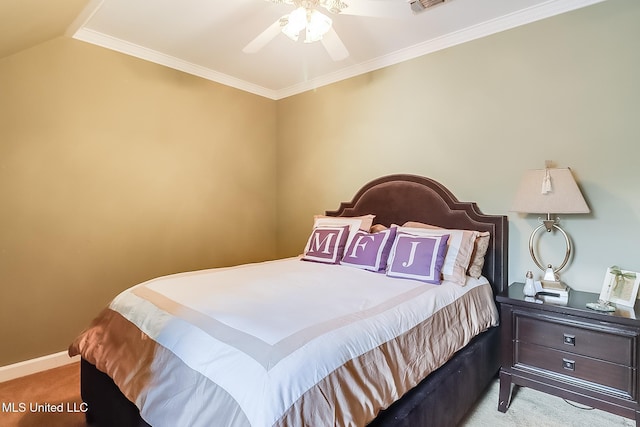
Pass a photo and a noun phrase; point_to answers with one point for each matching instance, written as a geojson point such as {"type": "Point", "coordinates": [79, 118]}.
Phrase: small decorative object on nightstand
{"type": "Point", "coordinates": [529, 289]}
{"type": "Point", "coordinates": [582, 355]}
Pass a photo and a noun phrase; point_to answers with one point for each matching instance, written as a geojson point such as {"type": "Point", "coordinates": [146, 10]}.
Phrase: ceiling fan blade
{"type": "Point", "coordinates": [263, 38]}
{"type": "Point", "coordinates": [336, 49]}
{"type": "Point", "coordinates": [378, 8]}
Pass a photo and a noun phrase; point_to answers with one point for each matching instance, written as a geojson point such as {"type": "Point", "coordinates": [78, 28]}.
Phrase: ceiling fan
{"type": "Point", "coordinates": [318, 27]}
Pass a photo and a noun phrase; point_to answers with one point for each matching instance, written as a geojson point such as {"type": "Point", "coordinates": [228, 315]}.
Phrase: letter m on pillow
{"type": "Point", "coordinates": [326, 244]}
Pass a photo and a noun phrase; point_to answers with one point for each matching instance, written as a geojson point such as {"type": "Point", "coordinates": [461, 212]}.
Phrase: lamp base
{"type": "Point", "coordinates": [554, 285]}
{"type": "Point", "coordinates": [549, 272]}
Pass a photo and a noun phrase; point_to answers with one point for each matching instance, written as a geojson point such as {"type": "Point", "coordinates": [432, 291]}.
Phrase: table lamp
{"type": "Point", "coordinates": [549, 191]}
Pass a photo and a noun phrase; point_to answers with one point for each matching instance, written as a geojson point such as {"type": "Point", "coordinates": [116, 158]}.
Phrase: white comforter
{"type": "Point", "coordinates": [260, 344]}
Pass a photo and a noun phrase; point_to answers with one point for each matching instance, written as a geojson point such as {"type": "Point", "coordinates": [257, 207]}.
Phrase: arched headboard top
{"type": "Point", "coordinates": [396, 199]}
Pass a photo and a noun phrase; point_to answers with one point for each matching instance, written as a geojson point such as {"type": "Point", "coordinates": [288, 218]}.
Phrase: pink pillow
{"type": "Point", "coordinates": [355, 223]}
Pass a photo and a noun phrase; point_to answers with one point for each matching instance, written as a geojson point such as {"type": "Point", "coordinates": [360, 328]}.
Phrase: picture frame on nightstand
{"type": "Point", "coordinates": [620, 286]}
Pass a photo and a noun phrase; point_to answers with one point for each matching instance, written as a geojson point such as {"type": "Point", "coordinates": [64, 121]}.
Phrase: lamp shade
{"type": "Point", "coordinates": [549, 191]}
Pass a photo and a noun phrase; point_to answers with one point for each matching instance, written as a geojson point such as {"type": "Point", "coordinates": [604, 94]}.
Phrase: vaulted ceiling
{"type": "Point", "coordinates": [26, 23]}
{"type": "Point", "coordinates": [207, 37]}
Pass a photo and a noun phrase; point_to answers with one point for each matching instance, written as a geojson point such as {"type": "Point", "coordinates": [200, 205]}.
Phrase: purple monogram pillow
{"type": "Point", "coordinates": [326, 244]}
{"type": "Point", "coordinates": [369, 250]}
{"type": "Point", "coordinates": [418, 257]}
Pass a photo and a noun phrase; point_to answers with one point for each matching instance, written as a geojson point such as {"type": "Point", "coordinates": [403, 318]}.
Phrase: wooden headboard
{"type": "Point", "coordinates": [396, 199]}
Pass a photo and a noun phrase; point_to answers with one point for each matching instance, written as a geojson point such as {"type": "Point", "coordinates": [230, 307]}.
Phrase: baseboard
{"type": "Point", "coordinates": [28, 367]}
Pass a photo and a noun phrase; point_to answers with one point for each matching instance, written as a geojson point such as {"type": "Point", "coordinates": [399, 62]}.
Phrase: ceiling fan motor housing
{"type": "Point", "coordinates": [418, 6]}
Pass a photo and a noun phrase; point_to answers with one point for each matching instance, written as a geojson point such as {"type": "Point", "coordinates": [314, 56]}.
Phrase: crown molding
{"type": "Point", "coordinates": [123, 46]}
{"type": "Point", "coordinates": [87, 13]}
{"type": "Point", "coordinates": [503, 23]}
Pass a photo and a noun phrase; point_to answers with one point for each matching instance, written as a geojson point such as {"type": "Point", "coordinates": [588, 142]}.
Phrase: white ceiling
{"type": "Point", "coordinates": [206, 37]}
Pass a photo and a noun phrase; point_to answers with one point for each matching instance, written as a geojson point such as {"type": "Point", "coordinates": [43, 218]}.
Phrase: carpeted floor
{"type": "Point", "coordinates": [531, 408]}
{"type": "Point", "coordinates": [58, 389]}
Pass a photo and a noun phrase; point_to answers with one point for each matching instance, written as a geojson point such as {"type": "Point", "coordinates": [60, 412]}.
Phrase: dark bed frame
{"type": "Point", "coordinates": [446, 395]}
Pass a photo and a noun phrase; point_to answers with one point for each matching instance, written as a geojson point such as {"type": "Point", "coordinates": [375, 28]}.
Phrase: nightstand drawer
{"type": "Point", "coordinates": [612, 346]}
{"type": "Point", "coordinates": [570, 351]}
{"type": "Point", "coordinates": [611, 375]}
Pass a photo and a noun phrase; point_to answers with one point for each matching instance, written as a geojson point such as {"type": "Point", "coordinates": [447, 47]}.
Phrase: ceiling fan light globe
{"type": "Point", "coordinates": [292, 35]}
{"type": "Point", "coordinates": [310, 38]}
{"type": "Point", "coordinates": [291, 32]}
{"type": "Point", "coordinates": [296, 22]}
{"type": "Point", "coordinates": [298, 19]}
{"type": "Point", "coordinates": [317, 26]}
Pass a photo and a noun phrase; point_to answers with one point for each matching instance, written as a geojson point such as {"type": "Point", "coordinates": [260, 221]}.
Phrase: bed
{"type": "Point", "coordinates": [442, 398]}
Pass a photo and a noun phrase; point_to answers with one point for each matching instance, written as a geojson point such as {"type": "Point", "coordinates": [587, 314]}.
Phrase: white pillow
{"type": "Point", "coordinates": [480, 246]}
{"type": "Point", "coordinates": [355, 223]}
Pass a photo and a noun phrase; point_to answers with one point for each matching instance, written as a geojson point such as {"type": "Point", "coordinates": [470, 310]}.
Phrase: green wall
{"type": "Point", "coordinates": [474, 117]}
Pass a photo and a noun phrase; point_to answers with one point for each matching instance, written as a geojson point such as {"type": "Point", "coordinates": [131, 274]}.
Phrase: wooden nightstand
{"type": "Point", "coordinates": [570, 351]}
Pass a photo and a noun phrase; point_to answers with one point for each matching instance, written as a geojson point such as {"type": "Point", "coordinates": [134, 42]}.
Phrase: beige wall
{"type": "Point", "coordinates": [475, 117]}
{"type": "Point", "coordinates": [114, 170]}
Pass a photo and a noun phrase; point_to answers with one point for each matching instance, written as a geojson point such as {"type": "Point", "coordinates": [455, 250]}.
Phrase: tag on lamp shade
{"type": "Point", "coordinates": [546, 182]}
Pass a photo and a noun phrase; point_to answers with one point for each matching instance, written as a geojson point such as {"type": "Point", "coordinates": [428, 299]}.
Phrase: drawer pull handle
{"type": "Point", "coordinates": [569, 364]}
{"type": "Point", "coordinates": [570, 339]}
